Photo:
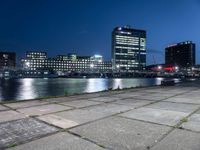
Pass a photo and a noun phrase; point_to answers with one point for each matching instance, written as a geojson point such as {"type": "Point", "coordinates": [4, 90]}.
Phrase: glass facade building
{"type": "Point", "coordinates": [128, 49]}
{"type": "Point", "coordinates": [181, 54]}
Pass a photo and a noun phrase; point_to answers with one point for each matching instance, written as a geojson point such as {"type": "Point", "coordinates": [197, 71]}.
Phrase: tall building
{"type": "Point", "coordinates": [181, 54]}
{"type": "Point", "coordinates": [7, 60]}
{"type": "Point", "coordinates": [36, 61]}
{"type": "Point", "coordinates": [128, 49]}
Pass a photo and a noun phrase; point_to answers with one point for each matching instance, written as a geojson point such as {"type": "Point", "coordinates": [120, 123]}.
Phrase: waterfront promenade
{"type": "Point", "coordinates": [155, 118]}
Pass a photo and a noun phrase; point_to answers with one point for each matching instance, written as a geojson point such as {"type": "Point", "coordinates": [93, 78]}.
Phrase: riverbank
{"type": "Point", "coordinates": [159, 117]}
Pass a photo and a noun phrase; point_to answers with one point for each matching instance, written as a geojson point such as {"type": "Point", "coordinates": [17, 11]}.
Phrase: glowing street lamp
{"type": "Point", "coordinates": [159, 67]}
{"type": "Point", "coordinates": [117, 66]}
{"type": "Point", "coordinates": [176, 68]}
{"type": "Point", "coordinates": [91, 65]}
{"type": "Point", "coordinates": [27, 64]}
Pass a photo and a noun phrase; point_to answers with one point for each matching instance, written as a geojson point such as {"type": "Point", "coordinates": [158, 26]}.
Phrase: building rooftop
{"type": "Point", "coordinates": [128, 28]}
{"type": "Point", "coordinates": [181, 43]}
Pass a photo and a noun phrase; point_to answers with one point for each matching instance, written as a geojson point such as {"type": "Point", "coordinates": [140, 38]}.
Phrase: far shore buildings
{"type": "Point", "coordinates": [181, 54]}
{"type": "Point", "coordinates": [128, 49]}
{"type": "Point", "coordinates": [37, 60]}
{"type": "Point", "coordinates": [7, 60]}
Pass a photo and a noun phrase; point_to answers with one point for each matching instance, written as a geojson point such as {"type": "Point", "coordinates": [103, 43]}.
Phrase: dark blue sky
{"type": "Point", "coordinates": [85, 26]}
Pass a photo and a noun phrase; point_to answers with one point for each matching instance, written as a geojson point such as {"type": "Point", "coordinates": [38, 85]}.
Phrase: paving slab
{"type": "Point", "coordinates": [192, 123]}
{"type": "Point", "coordinates": [10, 115]}
{"type": "Point", "coordinates": [163, 94]}
{"type": "Point", "coordinates": [179, 140]}
{"type": "Point", "coordinates": [98, 94]}
{"type": "Point", "coordinates": [196, 92]}
{"type": "Point", "coordinates": [61, 99]}
{"type": "Point", "coordinates": [184, 99]}
{"type": "Point", "coordinates": [152, 98]}
{"type": "Point", "coordinates": [25, 104]}
{"type": "Point", "coordinates": [72, 118]}
{"type": "Point", "coordinates": [43, 109]}
{"type": "Point", "coordinates": [159, 116]}
{"type": "Point", "coordinates": [117, 133]}
{"type": "Point", "coordinates": [158, 90]}
{"type": "Point", "coordinates": [170, 90]}
{"type": "Point", "coordinates": [80, 103]}
{"type": "Point", "coordinates": [19, 131]}
{"type": "Point", "coordinates": [67, 119]}
{"type": "Point", "coordinates": [193, 93]}
{"type": "Point", "coordinates": [104, 99]}
{"type": "Point", "coordinates": [180, 90]}
{"type": "Point", "coordinates": [187, 108]}
{"type": "Point", "coordinates": [89, 95]}
{"type": "Point", "coordinates": [59, 141]}
{"type": "Point", "coordinates": [2, 108]}
{"type": "Point", "coordinates": [198, 112]}
{"type": "Point", "coordinates": [58, 121]}
{"type": "Point", "coordinates": [133, 102]}
{"type": "Point", "coordinates": [93, 95]}
{"type": "Point", "coordinates": [109, 108]}
{"type": "Point", "coordinates": [176, 91]}
{"type": "Point", "coordinates": [129, 94]}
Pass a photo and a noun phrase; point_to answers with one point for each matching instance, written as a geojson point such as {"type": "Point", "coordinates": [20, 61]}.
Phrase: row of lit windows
{"type": "Point", "coordinates": [126, 54]}
{"type": "Point", "coordinates": [127, 42]}
{"type": "Point", "coordinates": [125, 60]}
{"type": "Point", "coordinates": [39, 66]}
{"type": "Point", "coordinates": [124, 47]}
{"type": "Point", "coordinates": [128, 37]}
{"type": "Point", "coordinates": [85, 68]}
{"type": "Point", "coordinates": [128, 65]}
{"type": "Point", "coordinates": [33, 64]}
{"type": "Point", "coordinates": [61, 62]}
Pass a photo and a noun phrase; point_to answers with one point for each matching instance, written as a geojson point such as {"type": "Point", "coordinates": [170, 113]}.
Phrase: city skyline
{"type": "Point", "coordinates": [83, 28]}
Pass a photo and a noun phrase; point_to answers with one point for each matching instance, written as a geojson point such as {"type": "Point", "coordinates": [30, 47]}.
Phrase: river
{"type": "Point", "coordinates": [32, 88]}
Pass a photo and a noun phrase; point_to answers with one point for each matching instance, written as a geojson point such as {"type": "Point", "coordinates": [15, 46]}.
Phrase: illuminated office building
{"type": "Point", "coordinates": [66, 63]}
{"type": "Point", "coordinates": [128, 49]}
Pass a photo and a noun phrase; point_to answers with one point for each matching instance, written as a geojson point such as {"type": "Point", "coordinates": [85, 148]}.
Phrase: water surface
{"type": "Point", "coordinates": [31, 88]}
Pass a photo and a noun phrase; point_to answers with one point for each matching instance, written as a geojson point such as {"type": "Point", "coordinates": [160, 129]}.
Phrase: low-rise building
{"type": "Point", "coordinates": [65, 63]}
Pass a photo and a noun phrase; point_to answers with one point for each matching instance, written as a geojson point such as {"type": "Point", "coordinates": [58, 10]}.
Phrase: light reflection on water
{"type": "Point", "coordinates": [19, 89]}
{"type": "Point", "coordinates": [93, 85]}
{"type": "Point", "coordinates": [117, 83]}
{"type": "Point", "coordinates": [27, 89]}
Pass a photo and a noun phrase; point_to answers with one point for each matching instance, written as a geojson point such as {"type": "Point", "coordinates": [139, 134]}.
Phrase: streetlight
{"type": "Point", "coordinates": [91, 65]}
{"type": "Point", "coordinates": [176, 68]}
{"type": "Point", "coordinates": [159, 67]}
{"type": "Point", "coordinates": [27, 64]}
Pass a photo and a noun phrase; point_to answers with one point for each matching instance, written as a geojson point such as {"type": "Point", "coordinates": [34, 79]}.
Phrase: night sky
{"type": "Point", "coordinates": [84, 26]}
